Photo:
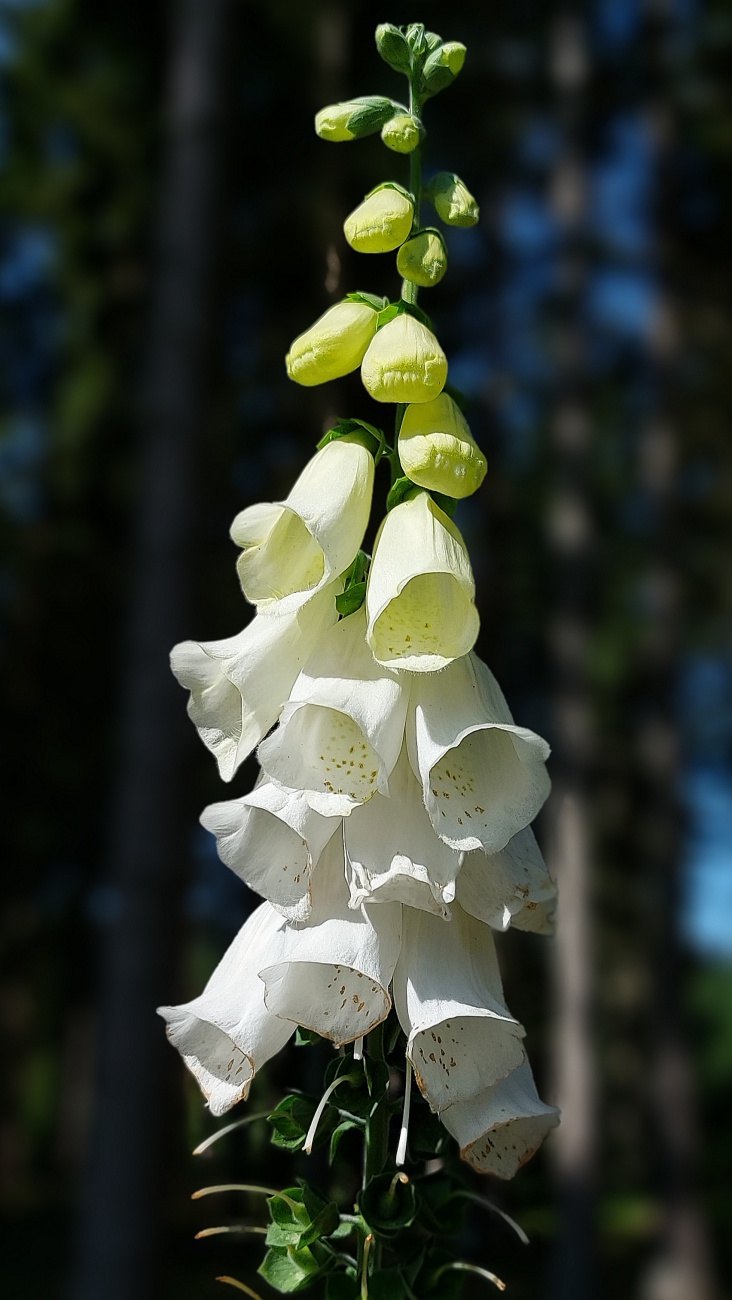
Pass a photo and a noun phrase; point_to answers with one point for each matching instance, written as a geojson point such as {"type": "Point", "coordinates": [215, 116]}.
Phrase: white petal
{"type": "Point", "coordinates": [295, 546]}
{"type": "Point", "coordinates": [483, 778]}
{"type": "Point", "coordinates": [510, 887]}
{"type": "Point", "coordinates": [333, 974]}
{"type": "Point", "coordinates": [226, 1034]}
{"type": "Point", "coordinates": [272, 839]}
{"type": "Point", "coordinates": [238, 685]}
{"type": "Point", "coordinates": [420, 594]}
{"type": "Point", "coordinates": [448, 996]}
{"type": "Point", "coordinates": [500, 1129]}
{"type": "Point", "coordinates": [392, 852]}
{"type": "Point", "coordinates": [342, 729]}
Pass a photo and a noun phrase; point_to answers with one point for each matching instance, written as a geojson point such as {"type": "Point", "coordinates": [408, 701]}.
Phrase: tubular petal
{"type": "Point", "coordinates": [381, 223]}
{"type": "Point", "coordinates": [295, 546]}
{"type": "Point", "coordinates": [510, 887]}
{"type": "Point", "coordinates": [334, 346]}
{"type": "Point", "coordinates": [226, 1034]}
{"type": "Point", "coordinates": [501, 1128]}
{"type": "Point", "coordinates": [341, 731]}
{"type": "Point", "coordinates": [420, 594]}
{"type": "Point", "coordinates": [460, 1035]}
{"type": "Point", "coordinates": [239, 685]}
{"type": "Point", "coordinates": [272, 840]}
{"type": "Point", "coordinates": [483, 778]}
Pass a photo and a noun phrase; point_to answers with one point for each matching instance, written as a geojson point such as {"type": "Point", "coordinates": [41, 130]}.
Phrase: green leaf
{"type": "Point", "coordinates": [351, 600]}
{"type": "Point", "coordinates": [377, 1077]}
{"type": "Point", "coordinates": [308, 1037]}
{"type": "Point", "coordinates": [368, 435]}
{"type": "Point", "coordinates": [448, 504]}
{"type": "Point", "coordinates": [288, 1269]}
{"type": "Point", "coordinates": [323, 1224]}
{"type": "Point", "coordinates": [369, 299]}
{"type": "Point", "coordinates": [400, 491]}
{"type": "Point", "coordinates": [393, 48]}
{"type": "Point", "coordinates": [290, 1122]}
{"type": "Point", "coordinates": [340, 1131]}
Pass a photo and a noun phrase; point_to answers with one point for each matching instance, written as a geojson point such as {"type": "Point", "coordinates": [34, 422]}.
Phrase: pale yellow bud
{"type": "Point", "coordinates": [381, 223]}
{"type": "Point", "coordinates": [334, 345]}
{"type": "Point", "coordinates": [401, 133]}
{"type": "Point", "coordinates": [437, 449]}
{"type": "Point", "coordinates": [404, 363]}
{"type": "Point", "coordinates": [452, 200]}
{"type": "Point", "coordinates": [422, 259]}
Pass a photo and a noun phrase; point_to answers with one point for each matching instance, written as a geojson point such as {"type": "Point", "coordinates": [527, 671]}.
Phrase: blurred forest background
{"type": "Point", "coordinates": [168, 223]}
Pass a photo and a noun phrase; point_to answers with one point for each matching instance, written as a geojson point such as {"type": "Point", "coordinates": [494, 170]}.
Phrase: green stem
{"type": "Point", "coordinates": [410, 291]}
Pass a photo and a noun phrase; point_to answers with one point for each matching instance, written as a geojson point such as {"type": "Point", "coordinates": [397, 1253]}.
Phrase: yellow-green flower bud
{"type": "Point", "coordinates": [404, 362]}
{"type": "Point", "coordinates": [401, 133]}
{"type": "Point", "coordinates": [437, 449]}
{"type": "Point", "coordinates": [422, 259]}
{"type": "Point", "coordinates": [392, 46]}
{"type": "Point", "coordinates": [354, 118]}
{"type": "Point", "coordinates": [381, 223]}
{"type": "Point", "coordinates": [443, 65]}
{"type": "Point", "coordinates": [334, 345]}
{"type": "Point", "coordinates": [452, 200]}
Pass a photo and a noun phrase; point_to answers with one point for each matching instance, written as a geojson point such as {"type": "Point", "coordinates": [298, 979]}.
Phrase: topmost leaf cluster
{"type": "Point", "coordinates": [413, 50]}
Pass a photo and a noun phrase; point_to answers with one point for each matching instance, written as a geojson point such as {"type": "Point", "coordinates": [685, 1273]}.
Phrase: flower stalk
{"type": "Point", "coordinates": [388, 834]}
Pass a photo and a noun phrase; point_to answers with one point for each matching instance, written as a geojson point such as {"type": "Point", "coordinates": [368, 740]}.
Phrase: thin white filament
{"type": "Point", "coordinates": [310, 1138]}
{"type": "Point", "coordinates": [401, 1154]}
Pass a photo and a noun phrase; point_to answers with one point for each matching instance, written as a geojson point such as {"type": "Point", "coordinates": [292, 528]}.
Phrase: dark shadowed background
{"type": "Point", "coordinates": [169, 222]}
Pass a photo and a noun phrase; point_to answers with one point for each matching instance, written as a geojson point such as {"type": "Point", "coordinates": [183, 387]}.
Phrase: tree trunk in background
{"type": "Point", "coordinates": [570, 537]}
{"type": "Point", "coordinates": [121, 1216]}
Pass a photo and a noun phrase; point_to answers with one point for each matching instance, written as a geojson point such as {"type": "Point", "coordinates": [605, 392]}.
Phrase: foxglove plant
{"type": "Point", "coordinates": [388, 833]}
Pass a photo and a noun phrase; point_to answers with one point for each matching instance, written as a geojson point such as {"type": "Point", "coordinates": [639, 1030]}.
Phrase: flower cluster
{"type": "Point", "coordinates": [388, 832]}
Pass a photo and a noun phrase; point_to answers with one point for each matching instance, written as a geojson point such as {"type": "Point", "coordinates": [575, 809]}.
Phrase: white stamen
{"type": "Point", "coordinates": [461, 1266]}
{"type": "Point", "coordinates": [358, 1049]}
{"type": "Point", "coordinates": [401, 1154]}
{"type": "Point", "coordinates": [310, 1138]}
{"type": "Point", "coordinates": [248, 1119]}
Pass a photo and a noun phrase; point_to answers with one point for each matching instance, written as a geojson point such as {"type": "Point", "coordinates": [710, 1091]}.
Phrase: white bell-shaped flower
{"type": "Point", "coordinates": [483, 778]}
{"type": "Point", "coordinates": [449, 999]}
{"type": "Point", "coordinates": [239, 685]}
{"type": "Point", "coordinates": [392, 852]}
{"type": "Point", "coordinates": [296, 546]}
{"type": "Point", "coordinates": [510, 887]}
{"type": "Point", "coordinates": [420, 594]}
{"type": "Point", "coordinates": [500, 1128]}
{"type": "Point", "coordinates": [342, 729]}
{"type": "Point", "coordinates": [332, 975]}
{"type": "Point", "coordinates": [226, 1034]}
{"type": "Point", "coordinates": [272, 840]}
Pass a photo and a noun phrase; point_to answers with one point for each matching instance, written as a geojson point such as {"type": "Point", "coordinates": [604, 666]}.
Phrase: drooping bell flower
{"type": "Point", "coordinates": [452, 200]}
{"type": "Point", "coordinates": [298, 545]}
{"type": "Point", "coordinates": [422, 259]}
{"type": "Point", "coordinates": [500, 1128]}
{"type": "Point", "coordinates": [420, 593]}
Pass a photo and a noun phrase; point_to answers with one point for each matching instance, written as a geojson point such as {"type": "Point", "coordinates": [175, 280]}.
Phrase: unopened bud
{"type": "Point", "coordinates": [443, 65]}
{"type": "Point", "coordinates": [404, 362]}
{"type": "Point", "coordinates": [422, 259]}
{"type": "Point", "coordinates": [392, 46]}
{"type": "Point", "coordinates": [401, 133]}
{"type": "Point", "coordinates": [382, 222]}
{"type": "Point", "coordinates": [437, 449]}
{"type": "Point", "coordinates": [452, 200]}
{"type": "Point", "coordinates": [334, 345]}
{"type": "Point", "coordinates": [354, 118]}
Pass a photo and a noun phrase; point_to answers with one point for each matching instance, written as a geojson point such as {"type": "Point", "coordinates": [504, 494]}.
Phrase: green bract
{"type": "Point", "coordinates": [437, 449]}
{"type": "Point", "coordinates": [334, 345]}
{"type": "Point", "coordinates": [382, 222]}
{"type": "Point", "coordinates": [452, 200]}
{"type": "Point", "coordinates": [404, 362]}
{"type": "Point", "coordinates": [392, 46]}
{"type": "Point", "coordinates": [442, 66]}
{"type": "Point", "coordinates": [422, 259]}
